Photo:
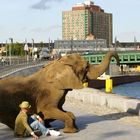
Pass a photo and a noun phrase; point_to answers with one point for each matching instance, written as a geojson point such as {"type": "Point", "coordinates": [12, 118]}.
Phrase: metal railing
{"type": "Point", "coordinates": [6, 69]}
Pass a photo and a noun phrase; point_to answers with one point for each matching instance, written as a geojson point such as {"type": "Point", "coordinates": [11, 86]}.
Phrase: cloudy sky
{"type": "Point", "coordinates": [42, 19]}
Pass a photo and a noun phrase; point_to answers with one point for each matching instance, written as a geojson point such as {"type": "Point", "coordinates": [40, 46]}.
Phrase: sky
{"type": "Point", "coordinates": [41, 20]}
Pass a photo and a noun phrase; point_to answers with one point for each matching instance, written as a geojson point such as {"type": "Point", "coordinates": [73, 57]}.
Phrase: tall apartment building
{"type": "Point", "coordinates": [85, 19]}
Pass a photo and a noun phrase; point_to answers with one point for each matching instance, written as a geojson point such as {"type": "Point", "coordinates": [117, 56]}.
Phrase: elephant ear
{"type": "Point", "coordinates": [73, 71]}
{"type": "Point", "coordinates": [68, 79]}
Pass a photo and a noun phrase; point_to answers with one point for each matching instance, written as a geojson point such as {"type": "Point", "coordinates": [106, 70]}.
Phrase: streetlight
{"type": "Point", "coordinates": [26, 49]}
{"type": "Point", "coordinates": [10, 48]}
{"type": "Point", "coordinates": [6, 49]}
{"type": "Point", "coordinates": [115, 43]}
{"type": "Point", "coordinates": [32, 48]}
{"type": "Point", "coordinates": [71, 46]}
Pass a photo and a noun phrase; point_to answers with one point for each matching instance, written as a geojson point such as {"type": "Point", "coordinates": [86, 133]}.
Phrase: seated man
{"type": "Point", "coordinates": [23, 128]}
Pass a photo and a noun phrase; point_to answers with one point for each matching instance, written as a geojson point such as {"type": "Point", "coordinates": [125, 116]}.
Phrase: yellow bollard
{"type": "Point", "coordinates": [85, 84]}
{"type": "Point", "coordinates": [108, 86]}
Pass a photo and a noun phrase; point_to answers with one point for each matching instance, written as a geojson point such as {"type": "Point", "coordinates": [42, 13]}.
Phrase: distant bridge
{"type": "Point", "coordinates": [127, 57]}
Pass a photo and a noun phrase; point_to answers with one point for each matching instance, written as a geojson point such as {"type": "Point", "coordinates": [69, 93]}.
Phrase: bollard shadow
{"type": "Point", "coordinates": [135, 111]}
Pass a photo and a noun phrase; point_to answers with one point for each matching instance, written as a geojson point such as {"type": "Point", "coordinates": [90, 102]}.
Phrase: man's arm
{"type": "Point", "coordinates": [26, 125]}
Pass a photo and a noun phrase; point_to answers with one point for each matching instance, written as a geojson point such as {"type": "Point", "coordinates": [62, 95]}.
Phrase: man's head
{"type": "Point", "coordinates": [25, 105]}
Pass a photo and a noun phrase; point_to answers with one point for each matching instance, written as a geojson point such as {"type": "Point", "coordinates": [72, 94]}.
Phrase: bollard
{"type": "Point", "coordinates": [85, 84]}
{"type": "Point", "coordinates": [108, 86]}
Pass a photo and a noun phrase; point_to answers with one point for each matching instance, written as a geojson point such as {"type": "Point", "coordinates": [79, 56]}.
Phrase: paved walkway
{"type": "Point", "coordinates": [92, 127]}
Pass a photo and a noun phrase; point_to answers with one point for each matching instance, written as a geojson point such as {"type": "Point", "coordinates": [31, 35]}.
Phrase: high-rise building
{"type": "Point", "coordinates": [87, 19]}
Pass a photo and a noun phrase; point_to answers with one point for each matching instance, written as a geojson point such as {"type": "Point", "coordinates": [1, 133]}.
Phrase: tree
{"type": "Point", "coordinates": [16, 49]}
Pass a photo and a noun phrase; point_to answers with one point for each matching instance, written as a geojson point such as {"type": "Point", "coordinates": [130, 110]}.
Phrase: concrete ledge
{"type": "Point", "coordinates": [113, 101]}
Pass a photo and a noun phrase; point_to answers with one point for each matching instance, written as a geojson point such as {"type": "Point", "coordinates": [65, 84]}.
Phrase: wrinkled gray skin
{"type": "Point", "coordinates": [47, 88]}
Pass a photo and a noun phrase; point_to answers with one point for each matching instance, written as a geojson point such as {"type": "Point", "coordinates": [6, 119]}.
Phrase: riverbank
{"type": "Point", "coordinates": [117, 80]}
{"type": "Point", "coordinates": [110, 106]}
{"type": "Point", "coordinates": [112, 101]}
{"type": "Point", "coordinates": [105, 112]}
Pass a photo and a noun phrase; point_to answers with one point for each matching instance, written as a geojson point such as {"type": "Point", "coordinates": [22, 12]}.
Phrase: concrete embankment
{"type": "Point", "coordinates": [113, 101]}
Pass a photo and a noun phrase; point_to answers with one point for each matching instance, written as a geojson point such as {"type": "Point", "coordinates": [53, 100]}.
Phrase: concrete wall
{"type": "Point", "coordinates": [113, 101]}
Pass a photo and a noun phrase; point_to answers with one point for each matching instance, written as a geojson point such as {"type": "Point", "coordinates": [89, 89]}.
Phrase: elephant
{"type": "Point", "coordinates": [47, 88]}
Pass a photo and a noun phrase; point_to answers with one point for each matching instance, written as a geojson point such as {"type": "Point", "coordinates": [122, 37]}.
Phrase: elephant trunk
{"type": "Point", "coordinates": [96, 70]}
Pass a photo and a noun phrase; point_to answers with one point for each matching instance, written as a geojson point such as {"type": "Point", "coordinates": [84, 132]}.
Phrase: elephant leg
{"type": "Point", "coordinates": [72, 117]}
{"type": "Point", "coordinates": [71, 114]}
{"type": "Point", "coordinates": [57, 114]}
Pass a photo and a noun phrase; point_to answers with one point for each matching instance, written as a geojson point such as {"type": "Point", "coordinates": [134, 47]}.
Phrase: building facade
{"type": "Point", "coordinates": [102, 26]}
{"type": "Point", "coordinates": [79, 46]}
{"type": "Point", "coordinates": [75, 24]}
{"type": "Point", "coordinates": [85, 19]}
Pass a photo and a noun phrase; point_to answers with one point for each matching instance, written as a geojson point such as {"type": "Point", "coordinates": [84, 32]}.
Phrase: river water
{"type": "Point", "coordinates": [131, 90]}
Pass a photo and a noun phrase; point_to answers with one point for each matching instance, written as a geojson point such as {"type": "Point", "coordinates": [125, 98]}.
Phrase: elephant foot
{"type": "Point", "coordinates": [70, 130]}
